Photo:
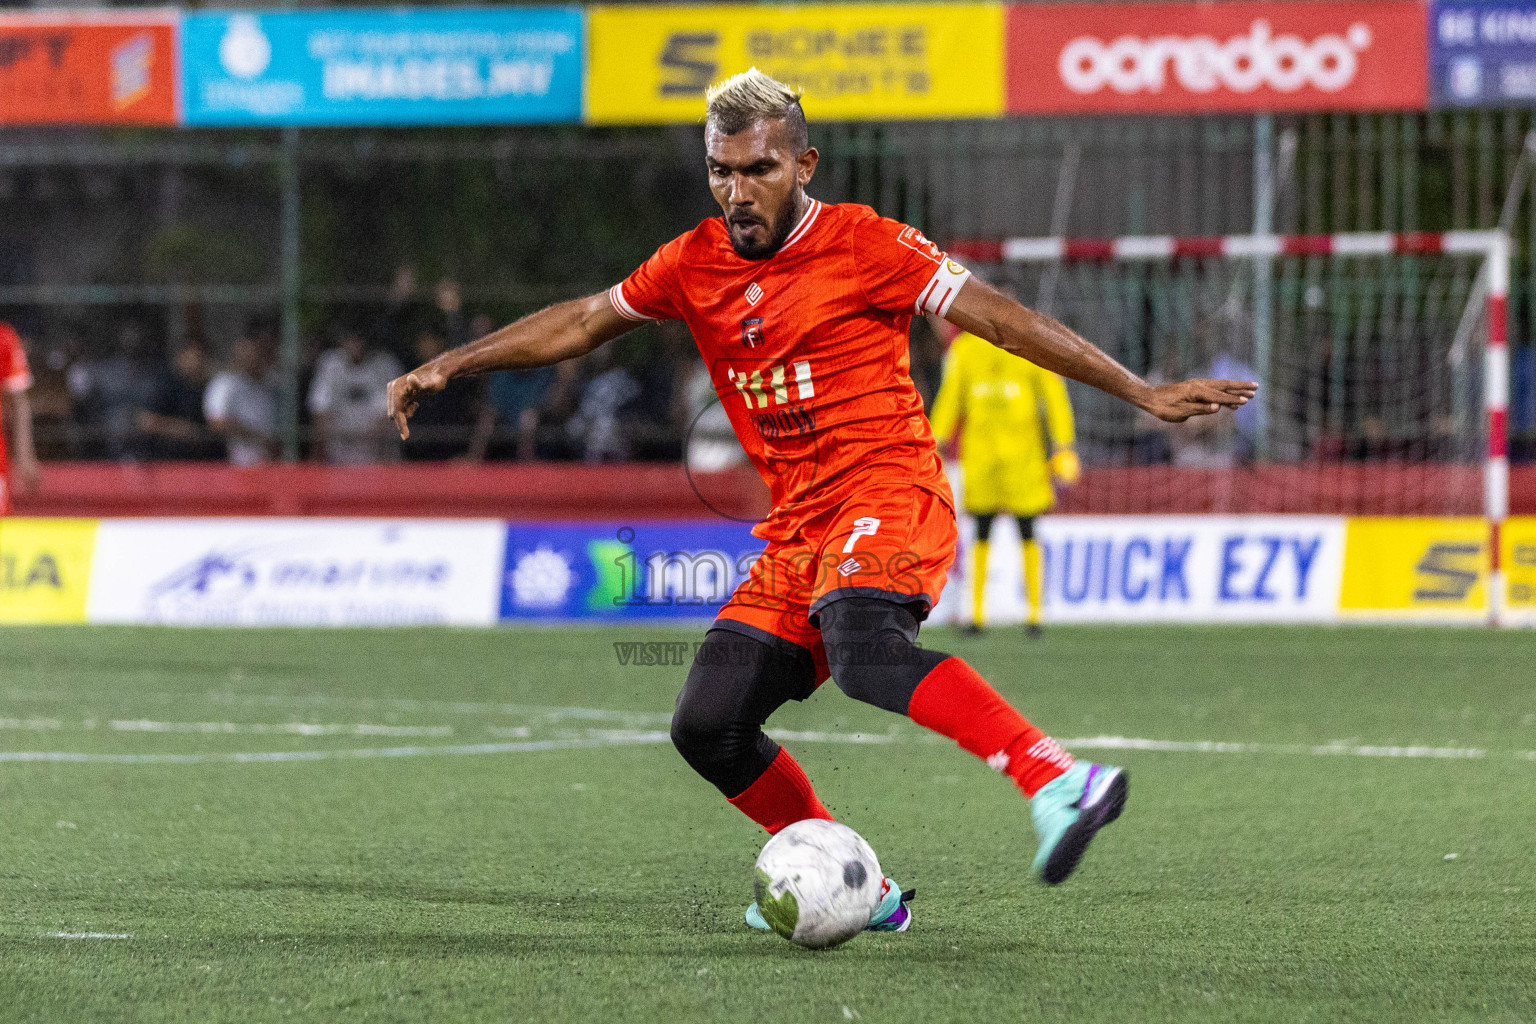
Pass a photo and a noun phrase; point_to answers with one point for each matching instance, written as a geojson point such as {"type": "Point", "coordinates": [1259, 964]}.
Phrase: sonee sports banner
{"type": "Point", "coordinates": [651, 64]}
{"type": "Point", "coordinates": [1229, 57]}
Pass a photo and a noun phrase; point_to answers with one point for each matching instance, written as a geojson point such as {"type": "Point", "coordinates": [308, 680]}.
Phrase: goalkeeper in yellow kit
{"type": "Point", "coordinates": [1008, 455]}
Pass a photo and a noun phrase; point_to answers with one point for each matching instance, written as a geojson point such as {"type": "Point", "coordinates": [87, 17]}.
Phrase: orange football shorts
{"type": "Point", "coordinates": [888, 541]}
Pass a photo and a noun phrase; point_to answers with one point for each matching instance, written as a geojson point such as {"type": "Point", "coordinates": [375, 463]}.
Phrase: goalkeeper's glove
{"type": "Point", "coordinates": [1066, 467]}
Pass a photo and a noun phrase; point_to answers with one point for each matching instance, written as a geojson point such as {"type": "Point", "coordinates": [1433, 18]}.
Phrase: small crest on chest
{"type": "Point", "coordinates": [752, 331]}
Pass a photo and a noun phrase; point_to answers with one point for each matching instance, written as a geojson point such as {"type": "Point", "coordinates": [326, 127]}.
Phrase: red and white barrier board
{"type": "Point", "coordinates": [1230, 57]}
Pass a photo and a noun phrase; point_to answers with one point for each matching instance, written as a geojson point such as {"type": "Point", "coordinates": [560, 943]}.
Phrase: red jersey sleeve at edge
{"type": "Point", "coordinates": [901, 271]}
{"type": "Point", "coordinates": [15, 375]}
{"type": "Point", "coordinates": [651, 292]}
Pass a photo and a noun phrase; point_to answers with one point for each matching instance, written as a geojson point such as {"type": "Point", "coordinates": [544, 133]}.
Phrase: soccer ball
{"type": "Point", "coordinates": [817, 883]}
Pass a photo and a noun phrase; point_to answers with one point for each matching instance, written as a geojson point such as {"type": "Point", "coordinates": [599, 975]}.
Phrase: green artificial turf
{"type": "Point", "coordinates": [596, 879]}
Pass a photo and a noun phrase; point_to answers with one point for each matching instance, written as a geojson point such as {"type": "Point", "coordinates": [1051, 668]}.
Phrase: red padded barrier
{"type": "Point", "coordinates": [546, 490]}
{"type": "Point", "coordinates": [563, 490]}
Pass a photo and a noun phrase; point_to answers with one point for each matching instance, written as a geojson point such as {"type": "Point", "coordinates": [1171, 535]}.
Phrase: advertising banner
{"type": "Point", "coordinates": [348, 67]}
{"type": "Point", "coordinates": [45, 569]}
{"type": "Point", "coordinates": [1164, 569]}
{"type": "Point", "coordinates": [654, 570]}
{"type": "Point", "coordinates": [651, 64]}
{"type": "Point", "coordinates": [1416, 568]}
{"type": "Point", "coordinates": [90, 68]}
{"type": "Point", "coordinates": [1246, 55]}
{"type": "Point", "coordinates": [296, 572]}
{"type": "Point", "coordinates": [1482, 53]}
{"type": "Point", "coordinates": [1519, 561]}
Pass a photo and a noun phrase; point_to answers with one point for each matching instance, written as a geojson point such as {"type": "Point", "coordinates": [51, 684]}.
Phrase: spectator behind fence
{"type": "Point", "coordinates": [445, 424]}
{"type": "Point", "coordinates": [347, 400]}
{"type": "Point", "coordinates": [241, 403]}
{"type": "Point", "coordinates": [598, 424]}
{"type": "Point", "coordinates": [110, 392]}
{"type": "Point", "coordinates": [174, 425]}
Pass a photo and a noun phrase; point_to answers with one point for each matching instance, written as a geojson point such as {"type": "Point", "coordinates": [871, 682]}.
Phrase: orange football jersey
{"type": "Point", "coordinates": [808, 349]}
{"type": "Point", "coordinates": [14, 375]}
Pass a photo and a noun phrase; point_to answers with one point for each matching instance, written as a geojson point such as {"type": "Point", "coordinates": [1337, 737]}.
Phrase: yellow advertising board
{"type": "Point", "coordinates": [45, 569]}
{"type": "Point", "coordinates": [1519, 544]}
{"type": "Point", "coordinates": [1419, 567]}
{"type": "Point", "coordinates": [651, 64]}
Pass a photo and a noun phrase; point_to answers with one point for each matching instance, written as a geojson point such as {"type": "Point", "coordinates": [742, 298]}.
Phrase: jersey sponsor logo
{"type": "Point", "coordinates": [849, 567]}
{"type": "Point", "coordinates": [913, 239]}
{"type": "Point", "coordinates": [762, 386]}
{"type": "Point", "coordinates": [752, 331]}
{"type": "Point", "coordinates": [791, 422]}
{"type": "Point", "coordinates": [754, 294]}
{"type": "Point", "coordinates": [864, 526]}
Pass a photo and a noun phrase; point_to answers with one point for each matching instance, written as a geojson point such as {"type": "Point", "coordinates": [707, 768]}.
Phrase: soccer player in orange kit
{"type": "Point", "coordinates": [15, 419]}
{"type": "Point", "coordinates": [801, 311]}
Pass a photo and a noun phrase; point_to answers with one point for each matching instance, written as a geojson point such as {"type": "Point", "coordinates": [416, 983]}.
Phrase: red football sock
{"type": "Point", "coordinates": [955, 701]}
{"type": "Point", "coordinates": [781, 796]}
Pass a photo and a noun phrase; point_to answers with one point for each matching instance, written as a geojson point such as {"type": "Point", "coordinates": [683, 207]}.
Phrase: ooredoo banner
{"type": "Point", "coordinates": [95, 67]}
{"type": "Point", "coordinates": [1193, 58]}
{"type": "Point", "coordinates": [519, 65]}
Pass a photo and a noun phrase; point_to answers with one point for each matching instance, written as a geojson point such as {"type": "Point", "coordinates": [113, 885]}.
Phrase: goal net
{"type": "Point", "coordinates": [1372, 352]}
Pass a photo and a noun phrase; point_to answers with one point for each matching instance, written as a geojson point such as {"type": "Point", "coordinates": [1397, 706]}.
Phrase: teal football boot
{"type": "Point", "coordinates": [1068, 812]}
{"type": "Point", "coordinates": [891, 914]}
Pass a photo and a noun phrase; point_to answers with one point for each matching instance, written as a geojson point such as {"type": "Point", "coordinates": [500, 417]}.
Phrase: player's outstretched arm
{"type": "Point", "coordinates": [983, 310]}
{"type": "Point", "coordinates": [566, 330]}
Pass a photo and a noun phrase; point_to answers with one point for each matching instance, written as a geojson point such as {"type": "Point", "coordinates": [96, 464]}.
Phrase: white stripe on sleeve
{"type": "Point", "coordinates": [942, 288]}
{"type": "Point", "coordinates": [622, 307]}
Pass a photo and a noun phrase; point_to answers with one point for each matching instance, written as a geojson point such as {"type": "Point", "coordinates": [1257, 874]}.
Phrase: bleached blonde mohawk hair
{"type": "Point", "coordinates": [743, 100]}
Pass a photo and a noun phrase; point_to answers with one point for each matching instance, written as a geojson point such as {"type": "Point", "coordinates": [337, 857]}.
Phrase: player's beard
{"type": "Point", "coordinates": [782, 225]}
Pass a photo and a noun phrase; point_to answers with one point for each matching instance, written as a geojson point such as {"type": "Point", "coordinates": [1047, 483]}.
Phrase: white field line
{"type": "Point", "coordinates": [1325, 749]}
{"type": "Point", "coordinates": [551, 713]}
{"type": "Point", "coordinates": [30, 723]}
{"type": "Point", "coordinates": [627, 737]}
{"type": "Point", "coordinates": [280, 728]}
{"type": "Point", "coordinates": [88, 935]}
{"type": "Point", "coordinates": [336, 755]}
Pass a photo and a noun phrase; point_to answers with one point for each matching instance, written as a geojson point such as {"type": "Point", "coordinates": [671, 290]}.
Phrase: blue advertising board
{"type": "Point", "coordinates": [1482, 53]}
{"type": "Point", "coordinates": [616, 571]}
{"type": "Point", "coordinates": [351, 67]}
